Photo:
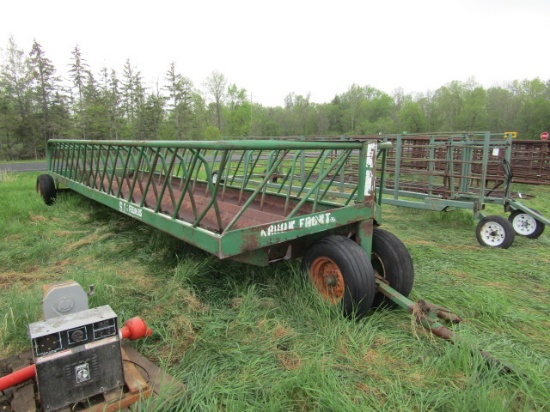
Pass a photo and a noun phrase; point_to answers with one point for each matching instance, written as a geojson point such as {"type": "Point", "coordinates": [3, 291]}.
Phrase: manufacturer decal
{"type": "Point", "coordinates": [299, 223]}
{"type": "Point", "coordinates": [129, 209]}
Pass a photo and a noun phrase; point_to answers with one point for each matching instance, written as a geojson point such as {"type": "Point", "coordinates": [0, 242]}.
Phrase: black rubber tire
{"type": "Point", "coordinates": [45, 187]}
{"type": "Point", "coordinates": [495, 231]}
{"type": "Point", "coordinates": [392, 261]}
{"type": "Point", "coordinates": [528, 226]}
{"type": "Point", "coordinates": [357, 286]}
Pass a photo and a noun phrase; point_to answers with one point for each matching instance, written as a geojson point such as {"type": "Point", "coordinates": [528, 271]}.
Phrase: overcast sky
{"type": "Point", "coordinates": [272, 48]}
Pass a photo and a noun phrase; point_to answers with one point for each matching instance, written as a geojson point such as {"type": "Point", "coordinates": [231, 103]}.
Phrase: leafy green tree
{"type": "Point", "coordinates": [201, 116]}
{"type": "Point", "coordinates": [238, 112]}
{"type": "Point", "coordinates": [114, 98]}
{"type": "Point", "coordinates": [265, 121]}
{"type": "Point", "coordinates": [79, 73]}
{"type": "Point", "coordinates": [376, 112]}
{"type": "Point", "coordinates": [350, 104]}
{"type": "Point", "coordinates": [216, 85]}
{"type": "Point", "coordinates": [501, 110]}
{"type": "Point", "coordinates": [95, 115]}
{"type": "Point", "coordinates": [18, 123]}
{"type": "Point", "coordinates": [60, 117]}
{"type": "Point", "coordinates": [132, 92]}
{"type": "Point", "coordinates": [412, 118]}
{"type": "Point", "coordinates": [180, 99]}
{"type": "Point", "coordinates": [321, 119]}
{"type": "Point", "coordinates": [449, 102]}
{"type": "Point", "coordinates": [212, 133]}
{"type": "Point", "coordinates": [44, 83]}
{"type": "Point", "coordinates": [533, 115]}
{"type": "Point", "coordinates": [298, 116]}
{"type": "Point", "coordinates": [335, 116]}
{"type": "Point", "coordinates": [474, 112]}
{"type": "Point", "coordinates": [8, 119]}
{"type": "Point", "coordinates": [150, 115]}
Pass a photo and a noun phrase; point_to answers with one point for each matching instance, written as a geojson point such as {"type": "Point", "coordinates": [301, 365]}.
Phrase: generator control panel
{"type": "Point", "coordinates": [76, 356]}
{"type": "Point", "coordinates": [70, 331]}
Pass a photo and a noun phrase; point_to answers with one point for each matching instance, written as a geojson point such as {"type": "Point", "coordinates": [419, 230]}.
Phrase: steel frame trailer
{"type": "Point", "coordinates": [446, 171]}
{"type": "Point", "coordinates": [231, 199]}
{"type": "Point", "coordinates": [260, 202]}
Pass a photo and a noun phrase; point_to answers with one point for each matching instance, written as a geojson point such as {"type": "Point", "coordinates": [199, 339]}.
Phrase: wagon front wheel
{"type": "Point", "coordinates": [526, 225]}
{"type": "Point", "coordinates": [392, 262]}
{"type": "Point", "coordinates": [45, 187]}
{"type": "Point", "coordinates": [342, 273]}
{"type": "Point", "coordinates": [495, 231]}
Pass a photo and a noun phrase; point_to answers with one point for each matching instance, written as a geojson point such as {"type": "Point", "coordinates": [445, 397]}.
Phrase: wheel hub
{"type": "Point", "coordinates": [493, 233]}
{"type": "Point", "coordinates": [524, 224]}
{"type": "Point", "coordinates": [327, 278]}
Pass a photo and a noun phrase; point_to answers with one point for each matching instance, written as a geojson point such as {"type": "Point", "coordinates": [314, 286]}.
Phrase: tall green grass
{"type": "Point", "coordinates": [246, 338]}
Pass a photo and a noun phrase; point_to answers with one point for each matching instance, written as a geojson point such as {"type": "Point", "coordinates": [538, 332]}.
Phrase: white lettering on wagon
{"type": "Point", "coordinates": [129, 209]}
{"type": "Point", "coordinates": [303, 222]}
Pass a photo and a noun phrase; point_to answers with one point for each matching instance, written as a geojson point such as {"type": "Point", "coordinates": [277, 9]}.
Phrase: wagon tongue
{"type": "Point", "coordinates": [441, 312]}
{"type": "Point", "coordinates": [427, 314]}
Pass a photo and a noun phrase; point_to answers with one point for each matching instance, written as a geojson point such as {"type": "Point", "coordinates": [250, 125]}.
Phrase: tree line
{"type": "Point", "coordinates": [37, 105]}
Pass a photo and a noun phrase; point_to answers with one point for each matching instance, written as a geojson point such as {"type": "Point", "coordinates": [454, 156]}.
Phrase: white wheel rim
{"type": "Point", "coordinates": [214, 178]}
{"type": "Point", "coordinates": [524, 224]}
{"type": "Point", "coordinates": [493, 234]}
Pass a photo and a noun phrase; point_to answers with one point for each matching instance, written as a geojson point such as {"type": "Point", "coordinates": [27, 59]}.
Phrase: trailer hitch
{"type": "Point", "coordinates": [428, 315]}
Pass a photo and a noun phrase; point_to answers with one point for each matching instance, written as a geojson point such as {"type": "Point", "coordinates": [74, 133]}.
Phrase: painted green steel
{"type": "Point", "coordinates": [218, 145]}
{"type": "Point", "coordinates": [271, 199]}
{"type": "Point", "coordinates": [515, 205]}
{"type": "Point", "coordinates": [449, 178]}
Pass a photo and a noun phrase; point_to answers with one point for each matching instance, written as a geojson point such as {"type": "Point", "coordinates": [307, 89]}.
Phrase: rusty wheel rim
{"type": "Point", "coordinates": [327, 278]}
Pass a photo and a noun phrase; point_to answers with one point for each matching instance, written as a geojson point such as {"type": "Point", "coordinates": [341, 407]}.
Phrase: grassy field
{"type": "Point", "coordinates": [246, 338]}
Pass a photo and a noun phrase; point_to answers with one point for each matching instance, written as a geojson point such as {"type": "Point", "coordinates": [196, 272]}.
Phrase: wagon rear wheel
{"type": "Point", "coordinates": [45, 187]}
{"type": "Point", "coordinates": [526, 225]}
{"type": "Point", "coordinates": [392, 262]}
{"type": "Point", "coordinates": [342, 273]}
{"type": "Point", "coordinates": [495, 231]}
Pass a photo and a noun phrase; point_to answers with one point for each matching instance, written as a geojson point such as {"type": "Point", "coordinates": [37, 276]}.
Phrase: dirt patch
{"type": "Point", "coordinates": [63, 233]}
{"type": "Point", "coordinates": [31, 269]}
{"type": "Point", "coordinates": [88, 240]}
{"type": "Point", "coordinates": [282, 331]}
{"type": "Point", "coordinates": [180, 338]}
{"type": "Point", "coordinates": [36, 218]}
{"type": "Point", "coordinates": [236, 302]}
{"type": "Point", "coordinates": [194, 303]}
{"type": "Point", "coordinates": [26, 278]}
{"type": "Point", "coordinates": [62, 263]}
{"type": "Point", "coordinates": [289, 361]}
{"type": "Point", "coordinates": [421, 242]}
{"type": "Point", "coordinates": [373, 391]}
